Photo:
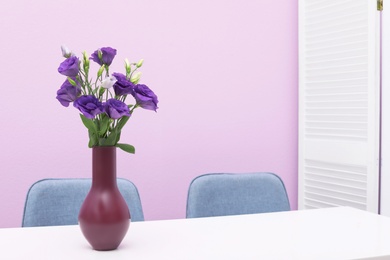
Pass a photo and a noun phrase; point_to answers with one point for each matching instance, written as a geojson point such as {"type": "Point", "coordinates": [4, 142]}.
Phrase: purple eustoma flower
{"type": "Point", "coordinates": [122, 86]}
{"type": "Point", "coordinates": [69, 67]}
{"type": "Point", "coordinates": [68, 93]}
{"type": "Point", "coordinates": [116, 109]}
{"type": "Point", "coordinates": [145, 97]}
{"type": "Point", "coordinates": [89, 106]}
{"type": "Point", "coordinates": [108, 55]}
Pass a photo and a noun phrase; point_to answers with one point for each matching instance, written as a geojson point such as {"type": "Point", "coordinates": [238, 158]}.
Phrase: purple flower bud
{"type": "Point", "coordinates": [69, 67]}
{"type": "Point", "coordinates": [68, 93]}
{"type": "Point", "coordinates": [88, 105]}
{"type": "Point", "coordinates": [107, 55]}
{"type": "Point", "coordinates": [116, 109]}
{"type": "Point", "coordinates": [122, 86]}
{"type": "Point", "coordinates": [145, 97]}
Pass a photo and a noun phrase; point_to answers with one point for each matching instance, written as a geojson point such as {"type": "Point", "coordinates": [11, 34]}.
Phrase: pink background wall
{"type": "Point", "coordinates": [225, 72]}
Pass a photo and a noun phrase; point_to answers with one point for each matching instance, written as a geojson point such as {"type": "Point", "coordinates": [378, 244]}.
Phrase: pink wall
{"type": "Point", "coordinates": [225, 73]}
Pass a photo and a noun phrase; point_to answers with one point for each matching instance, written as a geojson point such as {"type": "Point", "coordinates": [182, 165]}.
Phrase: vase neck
{"type": "Point", "coordinates": [103, 166]}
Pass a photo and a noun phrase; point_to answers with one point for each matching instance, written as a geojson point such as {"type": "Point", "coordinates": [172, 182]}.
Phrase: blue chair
{"type": "Point", "coordinates": [53, 202]}
{"type": "Point", "coordinates": [221, 194]}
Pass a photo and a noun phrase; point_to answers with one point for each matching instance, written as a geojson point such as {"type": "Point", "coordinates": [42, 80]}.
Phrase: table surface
{"type": "Point", "coordinates": [332, 233]}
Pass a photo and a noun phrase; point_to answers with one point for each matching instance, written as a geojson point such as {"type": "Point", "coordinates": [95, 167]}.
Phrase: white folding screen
{"type": "Point", "coordinates": [385, 144]}
{"type": "Point", "coordinates": [339, 104]}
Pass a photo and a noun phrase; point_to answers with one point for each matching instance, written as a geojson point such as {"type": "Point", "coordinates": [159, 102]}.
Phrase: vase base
{"type": "Point", "coordinates": [104, 237]}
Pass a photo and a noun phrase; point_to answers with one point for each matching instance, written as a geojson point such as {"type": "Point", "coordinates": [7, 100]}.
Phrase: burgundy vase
{"type": "Point", "coordinates": [104, 217]}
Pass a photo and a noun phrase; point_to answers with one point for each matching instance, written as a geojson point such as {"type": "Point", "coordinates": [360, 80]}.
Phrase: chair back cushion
{"type": "Point", "coordinates": [221, 194]}
{"type": "Point", "coordinates": [53, 202]}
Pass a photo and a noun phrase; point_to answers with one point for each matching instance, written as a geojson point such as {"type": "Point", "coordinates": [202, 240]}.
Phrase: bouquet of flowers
{"type": "Point", "coordinates": [102, 101]}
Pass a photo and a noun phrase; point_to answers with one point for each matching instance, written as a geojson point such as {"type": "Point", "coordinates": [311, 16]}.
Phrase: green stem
{"type": "Point", "coordinates": [86, 81]}
{"type": "Point", "coordinates": [132, 72]}
{"type": "Point", "coordinates": [132, 109]}
{"type": "Point", "coordinates": [81, 84]}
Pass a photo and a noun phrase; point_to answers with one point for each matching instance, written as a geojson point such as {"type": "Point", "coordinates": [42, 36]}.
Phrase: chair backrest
{"type": "Point", "coordinates": [221, 194]}
{"type": "Point", "coordinates": [53, 202]}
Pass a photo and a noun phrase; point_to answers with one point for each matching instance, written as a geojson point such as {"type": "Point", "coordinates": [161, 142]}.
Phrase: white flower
{"type": "Point", "coordinates": [66, 52]}
{"type": "Point", "coordinates": [108, 82]}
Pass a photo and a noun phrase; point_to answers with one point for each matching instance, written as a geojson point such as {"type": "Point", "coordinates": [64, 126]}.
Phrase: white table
{"type": "Point", "coordinates": [333, 233]}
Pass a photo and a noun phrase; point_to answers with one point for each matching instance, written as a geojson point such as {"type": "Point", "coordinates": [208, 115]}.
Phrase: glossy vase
{"type": "Point", "coordinates": [104, 217]}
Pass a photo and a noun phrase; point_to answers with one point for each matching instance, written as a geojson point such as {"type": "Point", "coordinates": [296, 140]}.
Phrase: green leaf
{"type": "Point", "coordinates": [126, 147]}
{"type": "Point", "coordinates": [104, 124]}
{"type": "Point", "coordinates": [101, 91]}
{"type": "Point", "coordinates": [93, 140]}
{"type": "Point", "coordinates": [121, 122]}
{"type": "Point", "coordinates": [88, 123]}
{"type": "Point", "coordinates": [118, 136]}
{"type": "Point", "coordinates": [111, 139]}
{"type": "Point", "coordinates": [102, 141]}
{"type": "Point", "coordinates": [94, 91]}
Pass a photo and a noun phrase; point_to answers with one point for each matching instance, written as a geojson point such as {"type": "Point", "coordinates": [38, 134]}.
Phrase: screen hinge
{"type": "Point", "coordinates": [379, 5]}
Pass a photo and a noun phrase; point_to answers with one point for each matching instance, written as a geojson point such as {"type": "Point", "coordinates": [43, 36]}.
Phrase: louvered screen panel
{"type": "Point", "coordinates": [385, 123]}
{"type": "Point", "coordinates": [338, 104]}
{"type": "Point", "coordinates": [329, 184]}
